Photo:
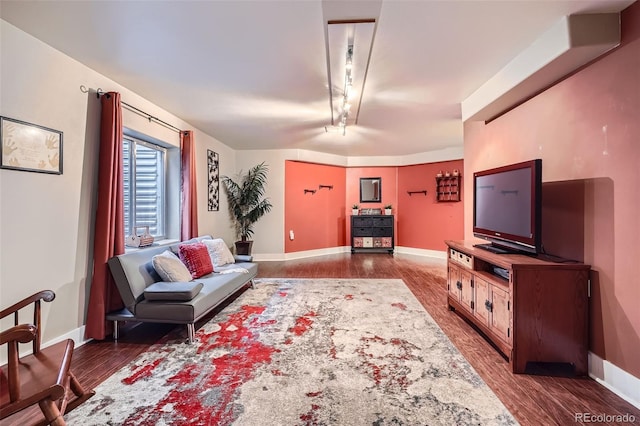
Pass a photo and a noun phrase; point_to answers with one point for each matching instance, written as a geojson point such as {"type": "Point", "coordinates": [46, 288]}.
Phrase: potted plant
{"type": "Point", "coordinates": [354, 209]}
{"type": "Point", "coordinates": [247, 203]}
{"type": "Point", "coordinates": [387, 209]}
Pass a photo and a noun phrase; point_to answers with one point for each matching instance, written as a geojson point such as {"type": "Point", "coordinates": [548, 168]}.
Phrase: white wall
{"type": "Point", "coordinates": [46, 220]}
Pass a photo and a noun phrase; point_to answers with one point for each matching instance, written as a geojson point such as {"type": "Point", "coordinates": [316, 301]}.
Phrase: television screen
{"type": "Point", "coordinates": [507, 206]}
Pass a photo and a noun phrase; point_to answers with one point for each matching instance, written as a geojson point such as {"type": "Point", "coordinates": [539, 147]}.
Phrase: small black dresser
{"type": "Point", "coordinates": [372, 232]}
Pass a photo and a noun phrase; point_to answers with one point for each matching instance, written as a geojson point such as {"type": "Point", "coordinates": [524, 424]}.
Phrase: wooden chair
{"type": "Point", "coordinates": [42, 377]}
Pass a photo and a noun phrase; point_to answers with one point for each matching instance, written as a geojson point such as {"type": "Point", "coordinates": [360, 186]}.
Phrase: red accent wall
{"type": "Point", "coordinates": [422, 222]}
{"type": "Point", "coordinates": [389, 192]}
{"type": "Point", "coordinates": [317, 220]}
{"type": "Point", "coordinates": [586, 129]}
{"type": "Point", "coordinates": [322, 220]}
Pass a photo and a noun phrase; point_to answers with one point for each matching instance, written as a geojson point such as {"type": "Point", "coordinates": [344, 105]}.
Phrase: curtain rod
{"type": "Point", "coordinates": [150, 117]}
{"type": "Point", "coordinates": [138, 111]}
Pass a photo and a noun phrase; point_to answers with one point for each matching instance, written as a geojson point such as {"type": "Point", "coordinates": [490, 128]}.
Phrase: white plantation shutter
{"type": "Point", "coordinates": [144, 186]}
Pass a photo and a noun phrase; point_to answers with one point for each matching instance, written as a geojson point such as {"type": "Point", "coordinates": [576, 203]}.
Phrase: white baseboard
{"type": "Point", "coordinates": [436, 254]}
{"type": "Point", "coordinates": [266, 257]}
{"type": "Point", "coordinates": [77, 335]}
{"type": "Point", "coordinates": [618, 381]}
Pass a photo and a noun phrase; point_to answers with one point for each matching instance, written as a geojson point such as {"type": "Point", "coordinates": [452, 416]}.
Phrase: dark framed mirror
{"type": "Point", "coordinates": [370, 190]}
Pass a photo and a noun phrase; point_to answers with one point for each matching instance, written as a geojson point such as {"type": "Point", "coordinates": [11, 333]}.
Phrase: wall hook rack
{"type": "Point", "coordinates": [417, 192]}
{"type": "Point", "coordinates": [312, 191]}
{"type": "Point", "coordinates": [330, 187]}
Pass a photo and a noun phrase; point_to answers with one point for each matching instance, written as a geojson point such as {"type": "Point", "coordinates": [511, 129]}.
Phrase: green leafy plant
{"type": "Point", "coordinates": [246, 199]}
{"type": "Point", "coordinates": [355, 206]}
{"type": "Point", "coordinates": [388, 206]}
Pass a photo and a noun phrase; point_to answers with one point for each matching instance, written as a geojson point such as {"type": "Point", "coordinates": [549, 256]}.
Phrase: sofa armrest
{"type": "Point", "coordinates": [243, 258]}
{"type": "Point", "coordinates": [172, 291]}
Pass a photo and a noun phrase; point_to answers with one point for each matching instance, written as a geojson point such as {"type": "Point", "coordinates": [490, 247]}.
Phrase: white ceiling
{"type": "Point", "coordinates": [253, 74]}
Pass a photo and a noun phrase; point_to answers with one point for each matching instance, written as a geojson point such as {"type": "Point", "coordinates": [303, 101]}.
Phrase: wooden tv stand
{"type": "Point", "coordinates": [536, 316]}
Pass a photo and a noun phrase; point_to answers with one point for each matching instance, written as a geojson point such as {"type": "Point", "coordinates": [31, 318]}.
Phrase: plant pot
{"type": "Point", "coordinates": [354, 212]}
{"type": "Point", "coordinates": [244, 247]}
{"type": "Point", "coordinates": [387, 211]}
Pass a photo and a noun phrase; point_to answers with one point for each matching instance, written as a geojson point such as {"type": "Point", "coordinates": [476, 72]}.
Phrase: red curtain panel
{"type": "Point", "coordinates": [189, 208]}
{"type": "Point", "coordinates": [109, 226]}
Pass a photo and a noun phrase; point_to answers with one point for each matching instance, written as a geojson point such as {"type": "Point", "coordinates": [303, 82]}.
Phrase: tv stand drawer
{"type": "Point", "coordinates": [461, 258]}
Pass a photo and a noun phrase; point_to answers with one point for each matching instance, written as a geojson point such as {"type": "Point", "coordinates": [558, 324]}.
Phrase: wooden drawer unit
{"type": "Point", "coordinates": [372, 232]}
{"type": "Point", "coordinates": [534, 311]}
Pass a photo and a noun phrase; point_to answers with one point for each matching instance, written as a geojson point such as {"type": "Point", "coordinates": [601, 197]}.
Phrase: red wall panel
{"type": "Point", "coordinates": [317, 219]}
{"type": "Point", "coordinates": [421, 221]}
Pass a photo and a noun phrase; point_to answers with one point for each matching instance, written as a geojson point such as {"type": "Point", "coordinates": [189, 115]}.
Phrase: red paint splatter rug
{"type": "Point", "coordinates": [302, 352]}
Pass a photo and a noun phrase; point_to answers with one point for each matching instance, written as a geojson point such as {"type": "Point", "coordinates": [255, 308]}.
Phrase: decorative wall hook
{"type": "Point", "coordinates": [312, 191]}
{"type": "Point", "coordinates": [325, 186]}
{"type": "Point", "coordinates": [424, 191]}
{"type": "Point", "coordinates": [85, 89]}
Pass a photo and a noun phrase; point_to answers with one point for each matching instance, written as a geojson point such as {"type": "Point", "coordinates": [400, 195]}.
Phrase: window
{"type": "Point", "coordinates": [144, 166]}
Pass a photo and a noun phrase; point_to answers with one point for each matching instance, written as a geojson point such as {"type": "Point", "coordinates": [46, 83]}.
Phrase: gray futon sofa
{"type": "Point", "coordinates": [177, 303]}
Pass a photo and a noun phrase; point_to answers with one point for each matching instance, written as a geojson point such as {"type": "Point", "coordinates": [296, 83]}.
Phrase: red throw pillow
{"type": "Point", "coordinates": [196, 258]}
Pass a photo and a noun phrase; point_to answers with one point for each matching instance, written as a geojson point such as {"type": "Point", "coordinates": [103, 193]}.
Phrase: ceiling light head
{"type": "Point", "coordinates": [349, 61]}
{"type": "Point", "coordinates": [346, 68]}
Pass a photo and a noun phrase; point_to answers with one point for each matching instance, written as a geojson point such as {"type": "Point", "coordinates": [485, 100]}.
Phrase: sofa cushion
{"type": "Point", "coordinates": [196, 257]}
{"type": "Point", "coordinates": [170, 268]}
{"type": "Point", "coordinates": [173, 291]}
{"type": "Point", "coordinates": [216, 289]}
{"type": "Point", "coordinates": [219, 252]}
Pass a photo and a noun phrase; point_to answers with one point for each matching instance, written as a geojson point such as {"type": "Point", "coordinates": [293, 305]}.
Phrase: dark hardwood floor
{"type": "Point", "coordinates": [533, 400]}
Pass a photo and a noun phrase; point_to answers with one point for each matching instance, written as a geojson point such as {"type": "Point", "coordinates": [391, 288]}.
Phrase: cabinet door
{"type": "Point", "coordinates": [482, 298]}
{"type": "Point", "coordinates": [500, 315]}
{"type": "Point", "coordinates": [466, 293]}
{"type": "Point", "coordinates": [453, 278]}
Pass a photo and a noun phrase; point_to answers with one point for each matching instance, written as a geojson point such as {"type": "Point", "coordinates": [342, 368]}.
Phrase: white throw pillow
{"type": "Point", "coordinates": [219, 252]}
{"type": "Point", "coordinates": [170, 267]}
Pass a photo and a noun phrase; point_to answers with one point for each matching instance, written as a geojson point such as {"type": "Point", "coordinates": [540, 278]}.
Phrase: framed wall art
{"type": "Point", "coordinates": [213, 180]}
{"type": "Point", "coordinates": [29, 147]}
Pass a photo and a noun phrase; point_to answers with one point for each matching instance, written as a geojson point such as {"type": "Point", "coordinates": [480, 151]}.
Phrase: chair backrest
{"type": "Point", "coordinates": [47, 296]}
{"type": "Point", "coordinates": [41, 378]}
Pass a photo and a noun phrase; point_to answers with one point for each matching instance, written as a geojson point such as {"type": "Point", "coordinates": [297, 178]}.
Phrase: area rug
{"type": "Point", "coordinates": [302, 352]}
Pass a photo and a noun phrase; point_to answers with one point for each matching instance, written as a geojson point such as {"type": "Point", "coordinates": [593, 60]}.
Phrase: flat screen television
{"type": "Point", "coordinates": [507, 206]}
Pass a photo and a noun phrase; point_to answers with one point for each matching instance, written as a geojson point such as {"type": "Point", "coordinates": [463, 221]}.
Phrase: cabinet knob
{"type": "Point", "coordinates": [459, 285]}
{"type": "Point", "coordinates": [488, 305]}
